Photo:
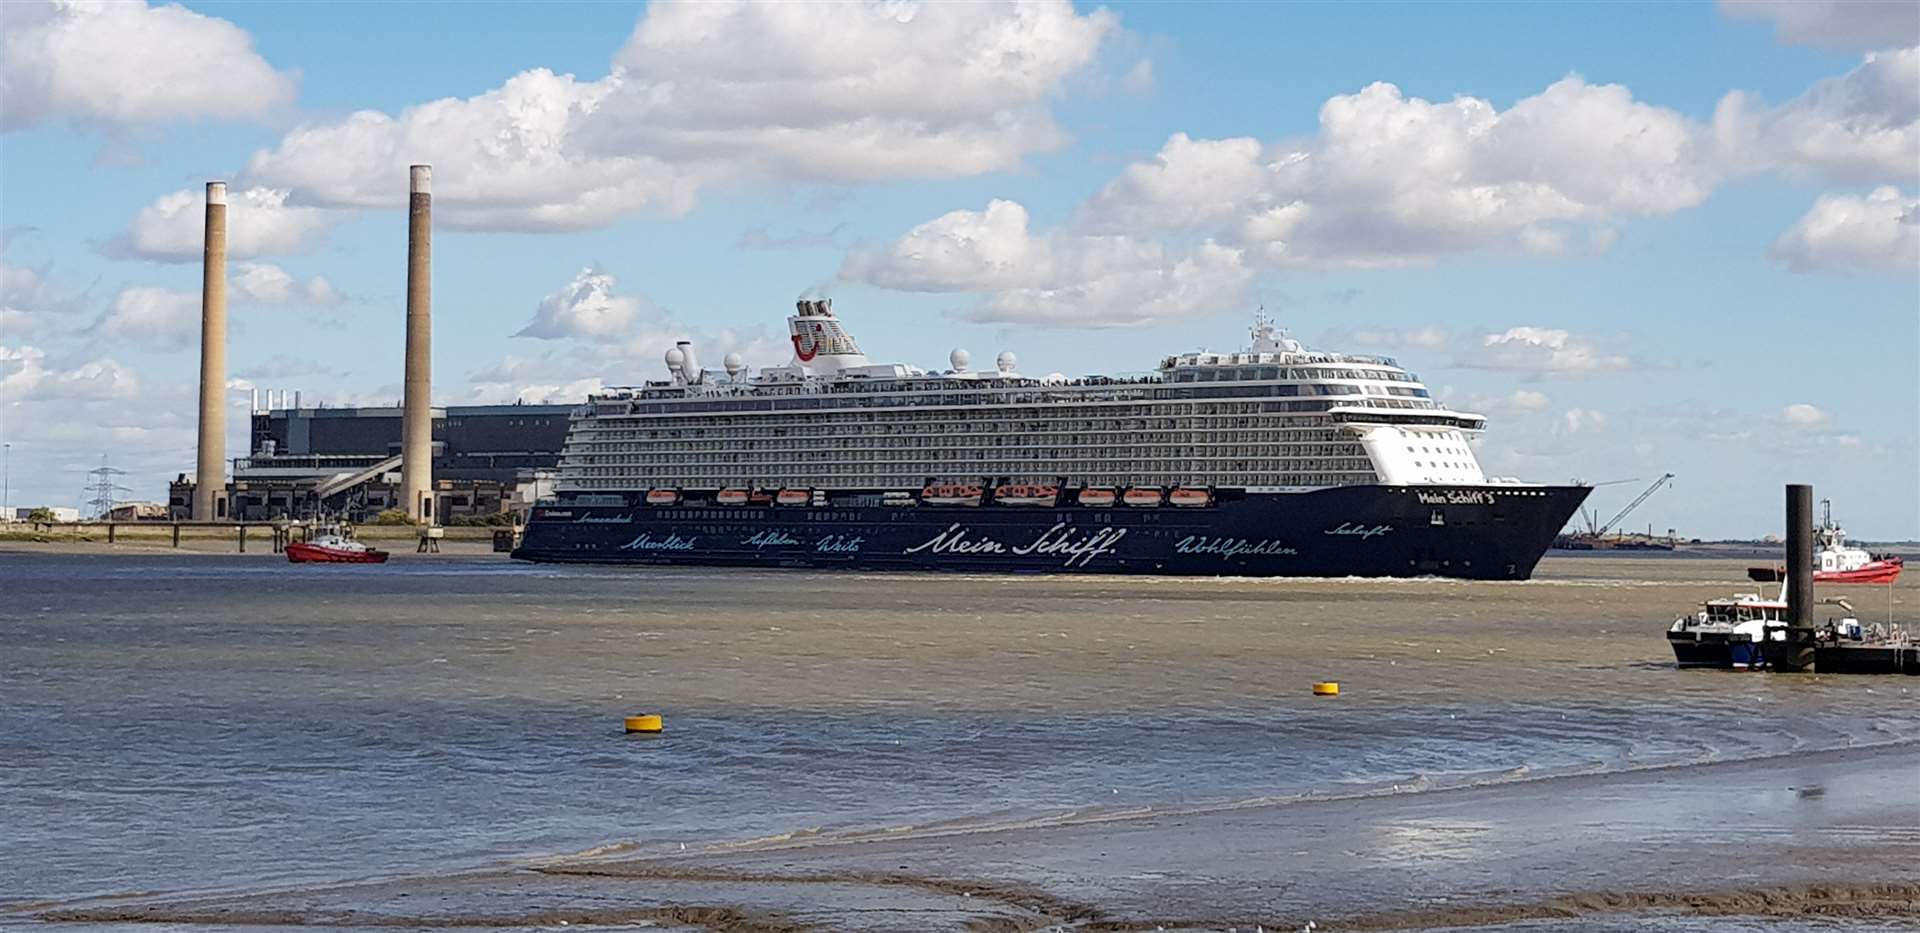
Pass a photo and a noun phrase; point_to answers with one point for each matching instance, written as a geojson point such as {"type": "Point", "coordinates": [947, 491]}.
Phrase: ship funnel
{"type": "Point", "coordinates": [689, 364]}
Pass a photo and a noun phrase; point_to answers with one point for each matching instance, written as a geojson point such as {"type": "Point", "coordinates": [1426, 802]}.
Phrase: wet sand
{"type": "Point", "coordinates": [1831, 836]}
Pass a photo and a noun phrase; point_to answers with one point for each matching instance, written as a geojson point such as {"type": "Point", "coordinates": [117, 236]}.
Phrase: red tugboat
{"type": "Point", "coordinates": [334, 547]}
{"type": "Point", "coordinates": [1835, 562]}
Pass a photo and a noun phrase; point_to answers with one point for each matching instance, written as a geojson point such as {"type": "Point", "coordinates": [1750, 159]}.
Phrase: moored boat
{"type": "Point", "coordinates": [1726, 632]}
{"type": "Point", "coordinates": [1835, 561]}
{"type": "Point", "coordinates": [731, 497]}
{"type": "Point", "coordinates": [794, 497]}
{"type": "Point", "coordinates": [1142, 497]}
{"type": "Point", "coordinates": [663, 497]}
{"type": "Point", "coordinates": [333, 547]}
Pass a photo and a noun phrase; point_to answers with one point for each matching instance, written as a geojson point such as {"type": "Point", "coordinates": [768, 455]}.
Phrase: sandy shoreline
{"type": "Point", "coordinates": [1816, 835]}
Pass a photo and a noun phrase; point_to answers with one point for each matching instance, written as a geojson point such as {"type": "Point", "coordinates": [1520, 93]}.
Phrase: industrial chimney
{"type": "Point", "coordinates": [416, 415]}
{"type": "Point", "coordinates": [209, 471]}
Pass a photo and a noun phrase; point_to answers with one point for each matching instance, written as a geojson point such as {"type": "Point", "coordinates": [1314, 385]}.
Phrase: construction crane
{"type": "Point", "coordinates": [1617, 519]}
{"type": "Point", "coordinates": [1588, 516]}
{"type": "Point", "coordinates": [1594, 536]}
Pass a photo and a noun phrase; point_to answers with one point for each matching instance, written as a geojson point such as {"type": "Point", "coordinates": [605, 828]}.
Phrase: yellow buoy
{"type": "Point", "coordinates": [1326, 688]}
{"type": "Point", "coordinates": [649, 722]}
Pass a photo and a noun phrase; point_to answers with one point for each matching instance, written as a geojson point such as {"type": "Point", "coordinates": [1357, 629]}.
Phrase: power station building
{"type": "Point", "coordinates": [487, 459]}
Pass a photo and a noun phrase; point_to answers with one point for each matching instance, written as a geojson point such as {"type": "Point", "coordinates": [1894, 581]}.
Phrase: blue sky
{"type": "Point", "coordinates": [1640, 237]}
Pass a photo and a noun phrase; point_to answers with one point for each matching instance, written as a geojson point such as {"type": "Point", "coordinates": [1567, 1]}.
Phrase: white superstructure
{"type": "Point", "coordinates": [1274, 417]}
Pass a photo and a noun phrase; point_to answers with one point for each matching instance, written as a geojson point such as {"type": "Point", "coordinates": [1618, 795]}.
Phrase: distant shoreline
{"type": "Point", "coordinates": [152, 538]}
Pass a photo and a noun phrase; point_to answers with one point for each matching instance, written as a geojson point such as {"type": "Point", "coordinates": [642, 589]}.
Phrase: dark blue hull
{"type": "Point", "coordinates": [1487, 533]}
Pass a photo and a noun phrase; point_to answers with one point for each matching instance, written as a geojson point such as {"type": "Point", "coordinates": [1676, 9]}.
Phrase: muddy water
{"type": "Point", "coordinates": [191, 723]}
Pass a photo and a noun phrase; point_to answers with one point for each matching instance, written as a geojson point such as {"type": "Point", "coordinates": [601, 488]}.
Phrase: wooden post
{"type": "Point", "coordinates": [109, 532]}
{"type": "Point", "coordinates": [243, 539]}
{"type": "Point", "coordinates": [176, 534]}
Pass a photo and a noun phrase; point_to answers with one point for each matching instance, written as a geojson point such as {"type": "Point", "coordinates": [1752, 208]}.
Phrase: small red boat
{"type": "Point", "coordinates": [1878, 570]}
{"type": "Point", "coordinates": [1834, 561]}
{"type": "Point", "coordinates": [334, 549]}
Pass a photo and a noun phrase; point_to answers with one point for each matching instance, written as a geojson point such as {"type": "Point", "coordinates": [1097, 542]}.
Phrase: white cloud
{"type": "Point", "coordinates": [260, 222]}
{"type": "Point", "coordinates": [1581, 421]}
{"type": "Point", "coordinates": [587, 309]}
{"type": "Point", "coordinates": [1521, 402]}
{"type": "Point", "coordinates": [1062, 279]}
{"type": "Point", "coordinates": [60, 416]}
{"type": "Point", "coordinates": [268, 284]}
{"type": "Point", "coordinates": [1804, 415]}
{"type": "Point", "coordinates": [1527, 400]}
{"type": "Point", "coordinates": [1863, 25]}
{"type": "Point", "coordinates": [1391, 180]}
{"type": "Point", "coordinates": [27, 303]}
{"type": "Point", "coordinates": [152, 318]}
{"type": "Point", "coordinates": [708, 93]}
{"type": "Point", "coordinates": [25, 376]}
{"type": "Point", "coordinates": [1189, 183]}
{"type": "Point", "coordinates": [129, 63]}
{"type": "Point", "coordinates": [1862, 127]}
{"type": "Point", "coordinates": [1878, 232]}
{"type": "Point", "coordinates": [611, 339]}
{"type": "Point", "coordinates": [1543, 351]}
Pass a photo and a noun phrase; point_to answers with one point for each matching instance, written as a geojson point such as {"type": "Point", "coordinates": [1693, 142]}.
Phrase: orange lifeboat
{"type": "Point", "coordinates": [663, 496]}
{"type": "Point", "coordinates": [952, 494]}
{"type": "Point", "coordinates": [731, 497]}
{"type": "Point", "coordinates": [1190, 497]}
{"type": "Point", "coordinates": [1143, 497]}
{"type": "Point", "coordinates": [1026, 494]}
{"type": "Point", "coordinates": [794, 497]}
{"type": "Point", "coordinates": [1098, 497]}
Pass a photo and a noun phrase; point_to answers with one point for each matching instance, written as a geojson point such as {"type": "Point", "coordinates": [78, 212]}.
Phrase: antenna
{"type": "Point", "coordinates": [102, 487]}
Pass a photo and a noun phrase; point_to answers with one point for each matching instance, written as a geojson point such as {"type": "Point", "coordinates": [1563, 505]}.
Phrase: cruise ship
{"type": "Point", "coordinates": [1276, 460]}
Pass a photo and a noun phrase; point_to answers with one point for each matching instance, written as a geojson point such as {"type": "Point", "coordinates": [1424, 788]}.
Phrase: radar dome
{"type": "Point", "coordinates": [675, 357]}
{"type": "Point", "coordinates": [959, 359]}
{"type": "Point", "coordinates": [733, 363]}
{"type": "Point", "coordinates": [1006, 361]}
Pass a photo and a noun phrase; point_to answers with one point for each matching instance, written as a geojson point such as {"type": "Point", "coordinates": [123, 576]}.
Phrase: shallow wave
{"type": "Point", "coordinates": [1420, 783]}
